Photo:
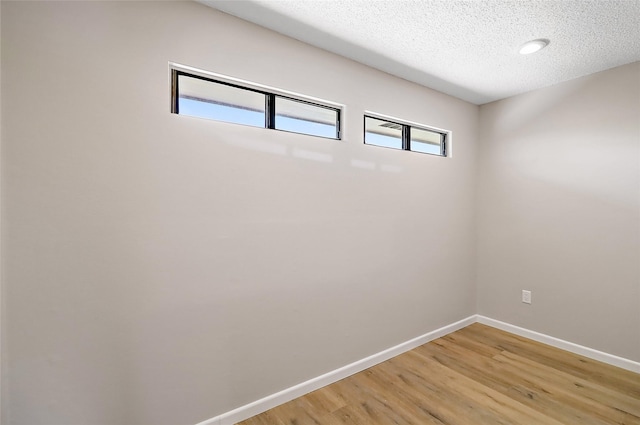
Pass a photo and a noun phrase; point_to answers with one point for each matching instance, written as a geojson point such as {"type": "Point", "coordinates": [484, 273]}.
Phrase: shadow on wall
{"type": "Point", "coordinates": [585, 150]}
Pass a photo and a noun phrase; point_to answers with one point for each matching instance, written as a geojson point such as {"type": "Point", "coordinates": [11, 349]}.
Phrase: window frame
{"type": "Point", "coordinates": [270, 95]}
{"type": "Point", "coordinates": [445, 135]}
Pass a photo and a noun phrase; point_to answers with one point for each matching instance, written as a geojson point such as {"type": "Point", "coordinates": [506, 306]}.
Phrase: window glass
{"type": "Point", "coordinates": [382, 133]}
{"type": "Point", "coordinates": [212, 100]}
{"type": "Point", "coordinates": [302, 117]}
{"type": "Point", "coordinates": [426, 141]}
{"type": "Point", "coordinates": [399, 135]}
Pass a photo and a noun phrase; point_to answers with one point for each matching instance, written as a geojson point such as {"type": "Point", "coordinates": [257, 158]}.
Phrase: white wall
{"type": "Point", "coordinates": [164, 269]}
{"type": "Point", "coordinates": [559, 211]}
{"type": "Point", "coordinates": [2, 322]}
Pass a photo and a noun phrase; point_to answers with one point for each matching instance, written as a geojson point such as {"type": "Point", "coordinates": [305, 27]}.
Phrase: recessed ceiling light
{"type": "Point", "coordinates": [533, 46]}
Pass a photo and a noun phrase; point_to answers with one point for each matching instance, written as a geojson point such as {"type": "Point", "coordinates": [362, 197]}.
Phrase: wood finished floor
{"type": "Point", "coordinates": [478, 375]}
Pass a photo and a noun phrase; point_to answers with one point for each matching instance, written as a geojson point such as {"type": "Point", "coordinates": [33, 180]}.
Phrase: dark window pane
{"type": "Point", "coordinates": [301, 117]}
{"type": "Point", "coordinates": [208, 99]}
{"type": "Point", "coordinates": [382, 133]}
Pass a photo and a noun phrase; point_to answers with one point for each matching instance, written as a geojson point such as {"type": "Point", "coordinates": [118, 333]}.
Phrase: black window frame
{"type": "Point", "coordinates": [270, 102]}
{"type": "Point", "coordinates": [406, 135]}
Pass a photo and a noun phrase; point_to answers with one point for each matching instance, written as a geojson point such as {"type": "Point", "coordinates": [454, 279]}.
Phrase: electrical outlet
{"type": "Point", "coordinates": [526, 297]}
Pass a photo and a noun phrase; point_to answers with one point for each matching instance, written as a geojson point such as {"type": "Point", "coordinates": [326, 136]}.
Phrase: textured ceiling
{"type": "Point", "coordinates": [468, 49]}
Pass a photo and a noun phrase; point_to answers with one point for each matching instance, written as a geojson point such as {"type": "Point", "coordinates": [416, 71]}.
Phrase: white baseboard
{"type": "Point", "coordinates": [269, 402]}
{"type": "Point", "coordinates": [562, 344]}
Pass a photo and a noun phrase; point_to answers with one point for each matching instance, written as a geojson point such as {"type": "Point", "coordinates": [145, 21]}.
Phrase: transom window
{"type": "Point", "coordinates": [204, 97]}
{"type": "Point", "coordinates": [399, 135]}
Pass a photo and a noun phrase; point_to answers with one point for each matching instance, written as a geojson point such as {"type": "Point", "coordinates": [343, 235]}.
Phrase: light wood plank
{"type": "Point", "coordinates": [478, 375]}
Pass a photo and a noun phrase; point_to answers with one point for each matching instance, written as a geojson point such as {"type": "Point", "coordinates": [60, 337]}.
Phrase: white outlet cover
{"type": "Point", "coordinates": [526, 297]}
